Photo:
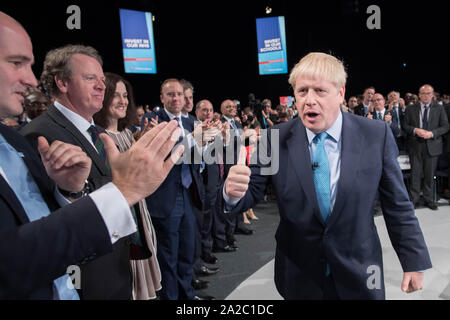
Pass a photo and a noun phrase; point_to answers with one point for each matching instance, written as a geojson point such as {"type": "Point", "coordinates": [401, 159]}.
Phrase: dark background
{"type": "Point", "coordinates": [213, 43]}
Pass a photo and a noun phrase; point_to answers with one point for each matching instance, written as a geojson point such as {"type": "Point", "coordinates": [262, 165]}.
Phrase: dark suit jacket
{"type": "Point", "coordinates": [394, 123]}
{"type": "Point", "coordinates": [162, 201]}
{"type": "Point", "coordinates": [359, 110]}
{"type": "Point", "coordinates": [110, 276]}
{"type": "Point", "coordinates": [437, 123]}
{"type": "Point", "coordinates": [348, 241]}
{"type": "Point", "coordinates": [33, 254]}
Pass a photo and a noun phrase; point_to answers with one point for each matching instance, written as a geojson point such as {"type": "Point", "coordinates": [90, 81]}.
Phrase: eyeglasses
{"type": "Point", "coordinates": [376, 100]}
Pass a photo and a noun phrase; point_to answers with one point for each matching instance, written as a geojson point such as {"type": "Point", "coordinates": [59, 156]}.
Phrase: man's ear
{"type": "Point", "coordinates": [61, 84]}
{"type": "Point", "coordinates": [342, 93]}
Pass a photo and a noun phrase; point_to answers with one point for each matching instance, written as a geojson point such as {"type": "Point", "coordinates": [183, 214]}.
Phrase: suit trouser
{"type": "Point", "coordinates": [176, 240]}
{"type": "Point", "coordinates": [448, 176]}
{"type": "Point", "coordinates": [199, 218]}
{"type": "Point", "coordinates": [422, 163]}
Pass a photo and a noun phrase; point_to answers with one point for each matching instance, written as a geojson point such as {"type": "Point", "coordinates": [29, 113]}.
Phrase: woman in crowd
{"type": "Point", "coordinates": [115, 117]}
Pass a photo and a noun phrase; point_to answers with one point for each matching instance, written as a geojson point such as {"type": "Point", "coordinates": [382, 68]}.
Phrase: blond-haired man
{"type": "Point", "coordinates": [331, 167]}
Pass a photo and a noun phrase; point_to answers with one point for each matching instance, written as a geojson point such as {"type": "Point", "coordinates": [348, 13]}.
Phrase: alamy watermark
{"type": "Point", "coordinates": [374, 279]}
{"type": "Point", "coordinates": [74, 20]}
{"type": "Point", "coordinates": [374, 20]}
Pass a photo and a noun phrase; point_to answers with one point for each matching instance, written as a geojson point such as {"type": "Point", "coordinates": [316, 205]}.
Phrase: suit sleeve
{"type": "Point", "coordinates": [401, 222]}
{"type": "Point", "coordinates": [36, 253]}
{"type": "Point", "coordinates": [408, 125]}
{"type": "Point", "coordinates": [443, 124]}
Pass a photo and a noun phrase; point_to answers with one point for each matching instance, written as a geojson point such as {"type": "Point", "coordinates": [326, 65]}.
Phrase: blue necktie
{"type": "Point", "coordinates": [235, 128]}
{"type": "Point", "coordinates": [322, 179]}
{"type": "Point", "coordinates": [322, 175]}
{"type": "Point", "coordinates": [186, 178]}
{"type": "Point", "coordinates": [26, 190]}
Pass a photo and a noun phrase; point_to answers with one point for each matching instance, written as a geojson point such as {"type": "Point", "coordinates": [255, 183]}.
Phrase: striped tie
{"type": "Point", "coordinates": [98, 143]}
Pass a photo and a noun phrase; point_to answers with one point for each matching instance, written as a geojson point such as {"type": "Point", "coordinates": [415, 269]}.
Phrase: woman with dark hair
{"type": "Point", "coordinates": [116, 115]}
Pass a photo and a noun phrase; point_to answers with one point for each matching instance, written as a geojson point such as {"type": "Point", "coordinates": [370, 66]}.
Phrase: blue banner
{"type": "Point", "coordinates": [137, 41]}
{"type": "Point", "coordinates": [272, 55]}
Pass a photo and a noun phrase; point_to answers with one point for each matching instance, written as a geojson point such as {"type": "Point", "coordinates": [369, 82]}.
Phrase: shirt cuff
{"type": "Point", "coordinates": [229, 204]}
{"type": "Point", "coordinates": [115, 211]}
{"type": "Point", "coordinates": [62, 201]}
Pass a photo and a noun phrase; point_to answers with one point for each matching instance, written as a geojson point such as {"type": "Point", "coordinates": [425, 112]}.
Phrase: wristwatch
{"type": "Point", "coordinates": [75, 195]}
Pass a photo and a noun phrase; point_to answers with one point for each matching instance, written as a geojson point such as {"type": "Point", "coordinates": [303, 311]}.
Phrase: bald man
{"type": "Point", "coordinates": [425, 123]}
{"type": "Point", "coordinates": [36, 247]}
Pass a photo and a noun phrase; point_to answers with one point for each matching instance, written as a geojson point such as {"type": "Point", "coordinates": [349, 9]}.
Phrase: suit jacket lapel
{"type": "Point", "coordinates": [59, 118]}
{"type": "Point", "coordinates": [299, 155]}
{"type": "Point", "coordinates": [9, 197]}
{"type": "Point", "coordinates": [351, 149]}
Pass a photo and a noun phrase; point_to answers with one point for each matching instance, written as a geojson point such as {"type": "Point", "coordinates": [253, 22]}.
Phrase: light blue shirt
{"type": "Point", "coordinates": [333, 148]}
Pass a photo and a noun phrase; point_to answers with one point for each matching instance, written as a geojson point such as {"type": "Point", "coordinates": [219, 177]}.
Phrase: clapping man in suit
{"type": "Point", "coordinates": [365, 108]}
{"type": "Point", "coordinates": [330, 167]}
{"type": "Point", "coordinates": [380, 113]}
{"type": "Point", "coordinates": [171, 206]}
{"type": "Point", "coordinates": [188, 90]}
{"type": "Point", "coordinates": [397, 105]}
{"type": "Point", "coordinates": [38, 247]}
{"type": "Point", "coordinates": [425, 123]}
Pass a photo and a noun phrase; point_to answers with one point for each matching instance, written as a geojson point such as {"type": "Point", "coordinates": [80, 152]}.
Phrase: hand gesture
{"type": "Point", "coordinates": [139, 171]}
{"type": "Point", "coordinates": [147, 126]}
{"type": "Point", "coordinates": [412, 281]}
{"type": "Point", "coordinates": [65, 164]}
{"type": "Point", "coordinates": [388, 118]}
{"type": "Point", "coordinates": [238, 178]}
{"type": "Point", "coordinates": [401, 102]}
{"type": "Point", "coordinates": [370, 116]}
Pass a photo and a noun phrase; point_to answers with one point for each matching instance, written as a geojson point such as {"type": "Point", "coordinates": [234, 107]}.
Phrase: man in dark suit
{"type": "Point", "coordinates": [74, 75]}
{"type": "Point", "coordinates": [380, 113]}
{"type": "Point", "coordinates": [233, 224]}
{"type": "Point", "coordinates": [171, 206]}
{"type": "Point", "coordinates": [425, 123]}
{"type": "Point", "coordinates": [35, 252]}
{"type": "Point", "coordinates": [364, 108]}
{"type": "Point", "coordinates": [188, 90]}
{"type": "Point", "coordinates": [397, 105]}
{"type": "Point", "coordinates": [327, 167]}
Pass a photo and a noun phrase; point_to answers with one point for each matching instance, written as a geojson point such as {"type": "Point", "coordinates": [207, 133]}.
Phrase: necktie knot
{"type": "Point", "coordinates": [320, 138]}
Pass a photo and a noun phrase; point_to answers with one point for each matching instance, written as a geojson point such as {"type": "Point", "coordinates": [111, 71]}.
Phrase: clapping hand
{"type": "Point", "coordinates": [67, 165]}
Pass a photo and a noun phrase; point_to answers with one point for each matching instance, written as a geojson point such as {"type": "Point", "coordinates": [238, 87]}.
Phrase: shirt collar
{"type": "Point", "coordinates": [171, 115]}
{"type": "Point", "coordinates": [78, 121]}
{"type": "Point", "coordinates": [185, 115]}
{"type": "Point", "coordinates": [422, 105]}
{"type": "Point", "coordinates": [334, 131]}
{"type": "Point", "coordinates": [228, 119]}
